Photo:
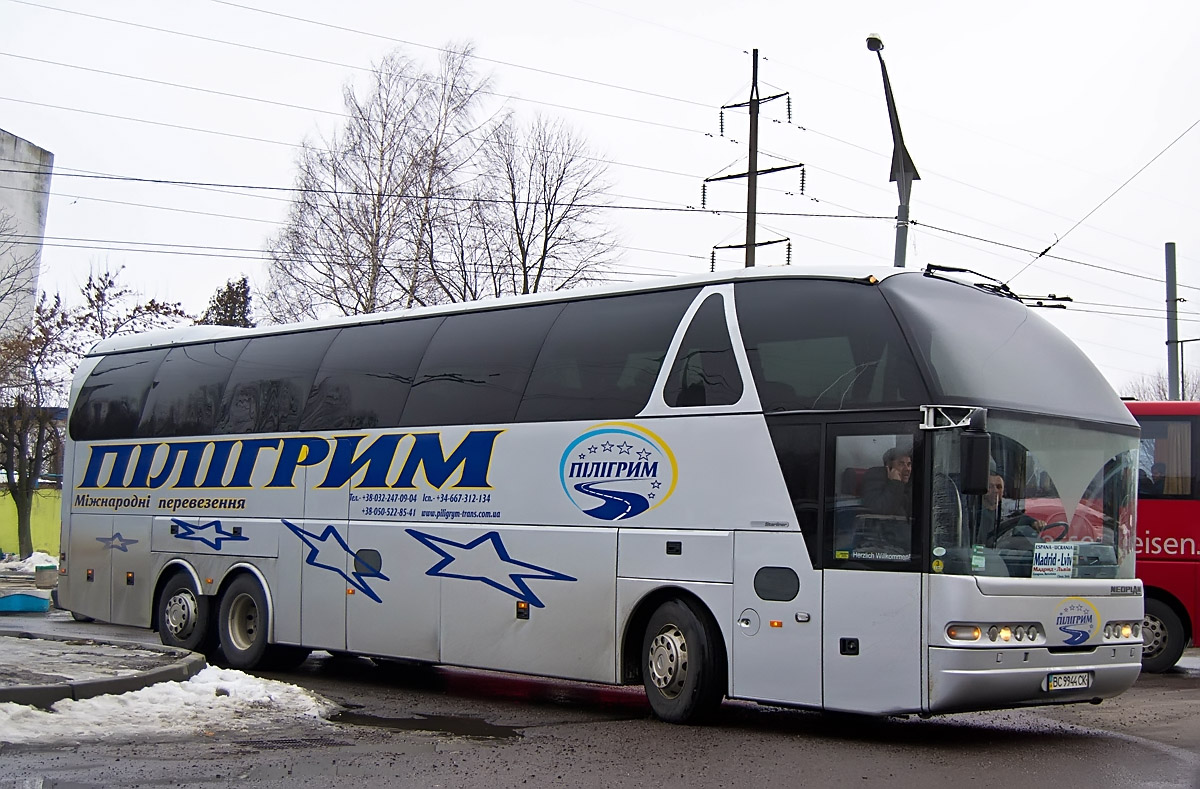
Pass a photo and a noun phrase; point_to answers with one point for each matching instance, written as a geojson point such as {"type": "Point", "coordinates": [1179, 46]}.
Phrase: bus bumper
{"type": "Point", "coordinates": [976, 679]}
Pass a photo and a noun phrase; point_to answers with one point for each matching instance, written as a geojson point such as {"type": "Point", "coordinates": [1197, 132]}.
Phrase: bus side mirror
{"type": "Point", "coordinates": [976, 462]}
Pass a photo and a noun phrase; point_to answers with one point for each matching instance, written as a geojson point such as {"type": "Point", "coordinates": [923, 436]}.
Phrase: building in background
{"type": "Point", "coordinates": [25, 171]}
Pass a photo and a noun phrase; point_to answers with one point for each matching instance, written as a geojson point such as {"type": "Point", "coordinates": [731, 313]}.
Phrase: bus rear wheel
{"type": "Point", "coordinates": [680, 668]}
{"type": "Point", "coordinates": [183, 614]}
{"type": "Point", "coordinates": [244, 625]}
{"type": "Point", "coordinates": [1163, 638]}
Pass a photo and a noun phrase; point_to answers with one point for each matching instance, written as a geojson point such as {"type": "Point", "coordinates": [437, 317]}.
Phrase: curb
{"type": "Point", "coordinates": [187, 665]}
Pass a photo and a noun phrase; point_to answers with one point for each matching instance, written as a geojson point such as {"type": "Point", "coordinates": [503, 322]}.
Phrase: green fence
{"type": "Point", "coordinates": [47, 517]}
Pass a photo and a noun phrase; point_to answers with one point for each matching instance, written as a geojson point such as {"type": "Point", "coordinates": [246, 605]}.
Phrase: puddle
{"type": "Point", "coordinates": [435, 724]}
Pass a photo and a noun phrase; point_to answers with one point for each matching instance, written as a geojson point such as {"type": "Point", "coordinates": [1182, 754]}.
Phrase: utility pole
{"type": "Point", "coordinates": [1174, 351]}
{"type": "Point", "coordinates": [752, 173]}
{"type": "Point", "coordinates": [904, 172]}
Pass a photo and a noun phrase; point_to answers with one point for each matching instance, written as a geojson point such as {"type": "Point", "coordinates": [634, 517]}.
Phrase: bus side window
{"type": "Point", "coordinates": [870, 515]}
{"type": "Point", "coordinates": [798, 449]}
{"type": "Point", "coordinates": [271, 381]}
{"type": "Point", "coordinates": [111, 400]}
{"type": "Point", "coordinates": [1165, 459]}
{"type": "Point", "coordinates": [705, 370]}
{"type": "Point", "coordinates": [365, 376]}
{"type": "Point", "coordinates": [477, 366]}
{"type": "Point", "coordinates": [188, 389]}
{"type": "Point", "coordinates": [602, 356]}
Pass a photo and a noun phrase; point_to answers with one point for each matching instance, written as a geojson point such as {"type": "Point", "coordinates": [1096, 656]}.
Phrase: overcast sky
{"type": "Point", "coordinates": [1025, 121]}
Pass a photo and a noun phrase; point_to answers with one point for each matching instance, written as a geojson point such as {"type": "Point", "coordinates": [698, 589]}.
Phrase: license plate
{"type": "Point", "coordinates": [1077, 680]}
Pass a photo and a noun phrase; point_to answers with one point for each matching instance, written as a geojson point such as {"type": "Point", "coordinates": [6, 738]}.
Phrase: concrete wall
{"type": "Point", "coordinates": [47, 518]}
{"type": "Point", "coordinates": [24, 199]}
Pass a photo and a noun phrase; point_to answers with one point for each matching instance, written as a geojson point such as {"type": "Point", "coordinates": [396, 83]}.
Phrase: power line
{"type": "Point", "coordinates": [473, 56]}
{"type": "Point", "coordinates": [1105, 200]}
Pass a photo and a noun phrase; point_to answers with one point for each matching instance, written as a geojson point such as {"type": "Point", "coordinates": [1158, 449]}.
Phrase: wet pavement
{"type": "Point", "coordinates": [39, 669]}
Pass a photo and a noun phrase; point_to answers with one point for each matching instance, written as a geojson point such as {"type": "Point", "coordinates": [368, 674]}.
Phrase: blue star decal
{"type": "Point", "coordinates": [188, 531]}
{"type": "Point", "coordinates": [335, 550]}
{"type": "Point", "coordinates": [504, 574]}
{"type": "Point", "coordinates": [117, 542]}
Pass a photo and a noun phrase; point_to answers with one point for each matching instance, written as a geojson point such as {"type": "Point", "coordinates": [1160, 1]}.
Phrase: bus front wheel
{"type": "Point", "coordinates": [680, 667]}
{"type": "Point", "coordinates": [1163, 639]}
{"type": "Point", "coordinates": [183, 614]}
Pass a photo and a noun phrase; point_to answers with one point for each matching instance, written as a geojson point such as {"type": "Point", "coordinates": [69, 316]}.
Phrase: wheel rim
{"type": "Point", "coordinates": [243, 622]}
{"type": "Point", "coordinates": [668, 660]}
{"type": "Point", "coordinates": [1154, 636]}
{"type": "Point", "coordinates": [182, 613]}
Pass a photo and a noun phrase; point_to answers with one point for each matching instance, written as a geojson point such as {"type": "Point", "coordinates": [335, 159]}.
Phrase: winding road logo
{"type": "Point", "coordinates": [617, 470]}
{"type": "Point", "coordinates": [1077, 619]}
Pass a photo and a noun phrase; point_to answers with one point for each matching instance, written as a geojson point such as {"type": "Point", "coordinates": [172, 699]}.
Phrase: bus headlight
{"type": "Point", "coordinates": [963, 632]}
{"type": "Point", "coordinates": [1122, 630]}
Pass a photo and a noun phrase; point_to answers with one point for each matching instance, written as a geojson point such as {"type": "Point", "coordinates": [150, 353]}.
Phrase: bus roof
{"type": "Point", "coordinates": [195, 334]}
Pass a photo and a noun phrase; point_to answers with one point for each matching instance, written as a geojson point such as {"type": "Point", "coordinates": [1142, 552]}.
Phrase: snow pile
{"type": "Point", "coordinates": [214, 700]}
{"type": "Point", "coordinates": [39, 559]}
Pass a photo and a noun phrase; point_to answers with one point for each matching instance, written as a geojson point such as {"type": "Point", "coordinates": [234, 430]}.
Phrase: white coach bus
{"type": "Point", "coordinates": [679, 483]}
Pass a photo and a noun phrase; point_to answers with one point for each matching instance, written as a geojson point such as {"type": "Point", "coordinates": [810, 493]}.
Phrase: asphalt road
{"type": "Point", "coordinates": [405, 725]}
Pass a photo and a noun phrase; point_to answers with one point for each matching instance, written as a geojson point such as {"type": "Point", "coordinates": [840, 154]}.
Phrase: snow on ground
{"type": "Point", "coordinates": [38, 559]}
{"type": "Point", "coordinates": [214, 700]}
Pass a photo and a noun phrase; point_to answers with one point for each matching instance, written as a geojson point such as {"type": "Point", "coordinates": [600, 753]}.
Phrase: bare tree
{"type": "Point", "coordinates": [541, 227]}
{"type": "Point", "coordinates": [35, 369]}
{"type": "Point", "coordinates": [367, 200]}
{"type": "Point", "coordinates": [1157, 387]}
{"type": "Point", "coordinates": [111, 308]}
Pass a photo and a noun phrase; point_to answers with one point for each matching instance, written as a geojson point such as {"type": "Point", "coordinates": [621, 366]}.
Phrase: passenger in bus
{"type": "Point", "coordinates": [888, 491]}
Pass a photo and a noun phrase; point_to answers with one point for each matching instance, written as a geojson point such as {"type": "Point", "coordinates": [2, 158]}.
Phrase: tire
{"type": "Point", "coordinates": [184, 619]}
{"type": "Point", "coordinates": [1163, 636]}
{"type": "Point", "coordinates": [243, 623]}
{"type": "Point", "coordinates": [81, 617]}
{"type": "Point", "coordinates": [681, 670]}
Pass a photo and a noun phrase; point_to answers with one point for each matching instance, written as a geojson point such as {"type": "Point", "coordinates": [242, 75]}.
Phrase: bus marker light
{"type": "Point", "coordinates": [1006, 633]}
{"type": "Point", "coordinates": [963, 632]}
{"type": "Point", "coordinates": [350, 590]}
{"type": "Point", "coordinates": [776, 623]}
{"type": "Point", "coordinates": [1126, 631]}
{"type": "Point", "coordinates": [129, 579]}
{"type": "Point", "coordinates": [522, 609]}
{"type": "Point", "coordinates": [208, 581]}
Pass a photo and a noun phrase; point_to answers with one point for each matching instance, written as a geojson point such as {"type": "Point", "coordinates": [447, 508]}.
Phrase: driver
{"type": "Point", "coordinates": [992, 525]}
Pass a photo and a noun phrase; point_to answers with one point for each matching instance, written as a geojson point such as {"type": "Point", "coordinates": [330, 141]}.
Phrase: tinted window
{"type": "Point", "coordinates": [271, 381]}
{"type": "Point", "coordinates": [825, 345]}
{"type": "Point", "coordinates": [602, 356]}
{"type": "Point", "coordinates": [1165, 459]}
{"type": "Point", "coordinates": [870, 506]}
{"type": "Point", "coordinates": [798, 449]}
{"type": "Point", "coordinates": [110, 402]}
{"type": "Point", "coordinates": [366, 375]}
{"type": "Point", "coordinates": [705, 370]}
{"type": "Point", "coordinates": [188, 389]}
{"type": "Point", "coordinates": [477, 366]}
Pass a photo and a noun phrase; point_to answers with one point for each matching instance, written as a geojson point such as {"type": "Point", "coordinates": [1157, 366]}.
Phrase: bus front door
{"type": "Point", "coordinates": [777, 627]}
{"type": "Point", "coordinates": [873, 640]}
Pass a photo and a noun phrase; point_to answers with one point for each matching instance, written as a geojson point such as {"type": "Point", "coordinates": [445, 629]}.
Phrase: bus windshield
{"type": "Point", "coordinates": [1059, 504]}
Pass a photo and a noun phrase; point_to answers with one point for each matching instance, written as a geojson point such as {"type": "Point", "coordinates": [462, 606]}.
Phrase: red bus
{"type": "Point", "coordinates": [1168, 527]}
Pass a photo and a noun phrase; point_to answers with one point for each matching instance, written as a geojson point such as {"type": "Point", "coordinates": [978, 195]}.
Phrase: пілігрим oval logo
{"type": "Point", "coordinates": [1077, 619]}
{"type": "Point", "coordinates": [617, 470]}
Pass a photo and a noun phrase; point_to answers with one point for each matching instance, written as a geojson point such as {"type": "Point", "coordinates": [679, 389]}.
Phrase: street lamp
{"type": "Point", "coordinates": [904, 172]}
